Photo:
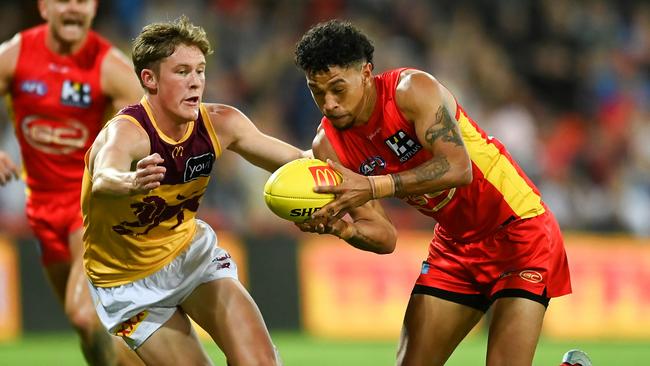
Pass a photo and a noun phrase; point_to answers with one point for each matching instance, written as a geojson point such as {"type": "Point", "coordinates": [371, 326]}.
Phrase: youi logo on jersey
{"type": "Point", "coordinates": [198, 166]}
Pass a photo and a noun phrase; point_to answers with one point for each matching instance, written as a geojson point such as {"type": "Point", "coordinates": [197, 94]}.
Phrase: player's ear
{"type": "Point", "coordinates": [149, 79]}
{"type": "Point", "coordinates": [95, 8]}
{"type": "Point", "coordinates": [366, 72]}
{"type": "Point", "coordinates": [42, 9]}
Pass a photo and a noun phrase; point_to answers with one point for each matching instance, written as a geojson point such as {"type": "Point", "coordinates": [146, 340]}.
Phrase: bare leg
{"type": "Point", "coordinates": [125, 355]}
{"type": "Point", "coordinates": [432, 329]}
{"type": "Point", "coordinates": [71, 287]}
{"type": "Point", "coordinates": [95, 341]}
{"type": "Point", "coordinates": [514, 331]}
{"type": "Point", "coordinates": [228, 313]}
{"type": "Point", "coordinates": [173, 344]}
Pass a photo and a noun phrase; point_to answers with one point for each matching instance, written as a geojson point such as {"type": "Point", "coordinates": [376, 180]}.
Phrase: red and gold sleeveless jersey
{"type": "Point", "coordinates": [129, 237]}
{"type": "Point", "coordinates": [58, 108]}
{"type": "Point", "coordinates": [499, 192]}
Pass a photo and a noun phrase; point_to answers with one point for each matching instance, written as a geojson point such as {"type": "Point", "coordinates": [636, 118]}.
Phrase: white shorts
{"type": "Point", "coordinates": [136, 310]}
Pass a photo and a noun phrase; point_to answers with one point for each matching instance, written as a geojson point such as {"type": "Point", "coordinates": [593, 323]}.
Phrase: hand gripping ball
{"type": "Point", "coordinates": [289, 190]}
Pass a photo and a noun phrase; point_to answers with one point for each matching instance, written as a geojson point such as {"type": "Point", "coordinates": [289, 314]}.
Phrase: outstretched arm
{"type": "Point", "coordinates": [237, 133]}
{"type": "Point", "coordinates": [428, 105]}
{"type": "Point", "coordinates": [120, 162]}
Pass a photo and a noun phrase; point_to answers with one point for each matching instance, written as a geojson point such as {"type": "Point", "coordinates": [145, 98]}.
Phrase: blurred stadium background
{"type": "Point", "coordinates": [566, 86]}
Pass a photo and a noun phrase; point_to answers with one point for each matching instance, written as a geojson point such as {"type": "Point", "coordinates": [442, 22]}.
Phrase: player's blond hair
{"type": "Point", "coordinates": [158, 41]}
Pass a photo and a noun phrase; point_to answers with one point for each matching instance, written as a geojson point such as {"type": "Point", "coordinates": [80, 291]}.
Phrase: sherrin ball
{"type": "Point", "coordinates": [289, 191]}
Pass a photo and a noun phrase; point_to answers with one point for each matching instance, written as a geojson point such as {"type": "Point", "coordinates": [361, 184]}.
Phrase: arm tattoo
{"type": "Point", "coordinates": [362, 242]}
{"type": "Point", "coordinates": [432, 169]}
{"type": "Point", "coordinates": [360, 239]}
{"type": "Point", "coordinates": [444, 127]}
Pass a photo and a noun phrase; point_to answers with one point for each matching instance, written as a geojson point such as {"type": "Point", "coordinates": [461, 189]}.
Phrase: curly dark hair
{"type": "Point", "coordinates": [334, 43]}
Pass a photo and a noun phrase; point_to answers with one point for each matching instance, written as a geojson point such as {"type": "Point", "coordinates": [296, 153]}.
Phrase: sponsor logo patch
{"type": "Point", "coordinates": [375, 133]}
{"type": "Point", "coordinates": [76, 94]}
{"type": "Point", "coordinates": [54, 136]}
{"type": "Point", "coordinates": [323, 176]}
{"type": "Point", "coordinates": [58, 68]}
{"type": "Point", "coordinates": [198, 166]}
{"type": "Point", "coordinates": [222, 258]}
{"type": "Point", "coordinates": [33, 87]}
{"type": "Point", "coordinates": [531, 276]}
{"type": "Point", "coordinates": [369, 166]}
{"type": "Point", "coordinates": [222, 261]}
{"type": "Point", "coordinates": [177, 152]}
{"type": "Point", "coordinates": [403, 145]}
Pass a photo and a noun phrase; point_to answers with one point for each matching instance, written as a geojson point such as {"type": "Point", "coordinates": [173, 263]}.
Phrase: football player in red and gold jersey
{"type": "Point", "coordinates": [63, 80]}
{"type": "Point", "coordinates": [402, 134]}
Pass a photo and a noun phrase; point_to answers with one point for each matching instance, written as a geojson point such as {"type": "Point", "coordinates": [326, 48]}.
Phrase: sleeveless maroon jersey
{"type": "Point", "coordinates": [185, 160]}
{"type": "Point", "coordinates": [131, 236]}
{"type": "Point", "coordinates": [499, 192]}
{"type": "Point", "coordinates": [58, 109]}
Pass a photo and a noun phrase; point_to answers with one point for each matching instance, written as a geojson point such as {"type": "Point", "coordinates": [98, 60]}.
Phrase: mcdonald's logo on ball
{"type": "Point", "coordinates": [323, 176]}
{"type": "Point", "coordinates": [289, 191]}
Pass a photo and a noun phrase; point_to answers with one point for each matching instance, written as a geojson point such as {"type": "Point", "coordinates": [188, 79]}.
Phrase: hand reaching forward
{"type": "Point", "coordinates": [354, 191]}
{"type": "Point", "coordinates": [148, 174]}
{"type": "Point", "coordinates": [8, 169]}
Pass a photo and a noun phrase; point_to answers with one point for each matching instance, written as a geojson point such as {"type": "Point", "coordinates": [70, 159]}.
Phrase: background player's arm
{"type": "Point", "coordinates": [119, 81]}
{"type": "Point", "coordinates": [9, 51]}
{"type": "Point", "coordinates": [237, 133]}
{"type": "Point", "coordinates": [112, 161]}
{"type": "Point", "coordinates": [367, 227]}
{"type": "Point", "coordinates": [8, 58]}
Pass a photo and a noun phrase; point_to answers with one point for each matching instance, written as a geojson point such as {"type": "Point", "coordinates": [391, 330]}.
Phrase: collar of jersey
{"type": "Point", "coordinates": [162, 135]}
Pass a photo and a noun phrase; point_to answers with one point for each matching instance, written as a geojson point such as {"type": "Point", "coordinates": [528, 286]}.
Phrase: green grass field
{"type": "Point", "coordinates": [302, 350]}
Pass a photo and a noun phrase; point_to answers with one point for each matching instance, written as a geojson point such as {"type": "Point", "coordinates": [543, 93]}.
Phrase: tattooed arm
{"type": "Point", "coordinates": [431, 108]}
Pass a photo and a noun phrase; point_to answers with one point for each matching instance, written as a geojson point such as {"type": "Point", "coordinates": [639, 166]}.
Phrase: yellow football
{"type": "Point", "coordinates": [289, 191]}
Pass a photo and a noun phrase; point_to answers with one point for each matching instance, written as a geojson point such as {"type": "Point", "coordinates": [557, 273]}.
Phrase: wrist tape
{"type": "Point", "coordinates": [382, 186]}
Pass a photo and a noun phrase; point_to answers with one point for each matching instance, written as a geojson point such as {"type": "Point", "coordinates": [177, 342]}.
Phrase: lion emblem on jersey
{"type": "Point", "coordinates": [154, 209]}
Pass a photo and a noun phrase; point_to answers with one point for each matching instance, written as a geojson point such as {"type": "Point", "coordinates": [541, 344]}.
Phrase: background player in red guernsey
{"type": "Point", "coordinates": [63, 80]}
{"type": "Point", "coordinates": [401, 133]}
